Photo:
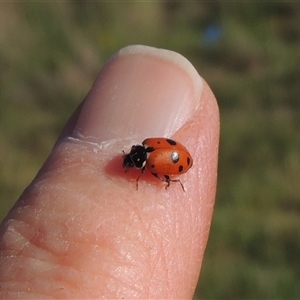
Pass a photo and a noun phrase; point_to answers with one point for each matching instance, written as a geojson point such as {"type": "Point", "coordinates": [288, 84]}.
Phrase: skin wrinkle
{"type": "Point", "coordinates": [73, 216]}
{"type": "Point", "coordinates": [131, 288]}
{"type": "Point", "coordinates": [160, 257]}
{"type": "Point", "coordinates": [178, 231]}
{"type": "Point", "coordinates": [116, 281]}
{"type": "Point", "coordinates": [163, 261]}
{"type": "Point", "coordinates": [84, 163]}
{"type": "Point", "coordinates": [54, 265]}
{"type": "Point", "coordinates": [133, 285]}
{"type": "Point", "coordinates": [135, 247]}
{"type": "Point", "coordinates": [25, 295]}
{"type": "Point", "coordinates": [156, 253]}
{"type": "Point", "coordinates": [147, 234]}
{"type": "Point", "coordinates": [61, 289]}
{"type": "Point", "coordinates": [147, 237]}
{"type": "Point", "coordinates": [12, 230]}
{"type": "Point", "coordinates": [18, 255]}
{"type": "Point", "coordinates": [35, 240]}
{"type": "Point", "coordinates": [24, 288]}
{"type": "Point", "coordinates": [132, 270]}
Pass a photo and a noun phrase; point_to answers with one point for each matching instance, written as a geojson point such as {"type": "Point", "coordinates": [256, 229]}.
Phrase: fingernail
{"type": "Point", "coordinates": [141, 91]}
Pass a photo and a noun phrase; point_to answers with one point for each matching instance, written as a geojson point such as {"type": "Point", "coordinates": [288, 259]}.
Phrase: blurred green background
{"type": "Point", "coordinates": [249, 53]}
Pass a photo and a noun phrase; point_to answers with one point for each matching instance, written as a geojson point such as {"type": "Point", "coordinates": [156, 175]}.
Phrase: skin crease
{"type": "Point", "coordinates": [81, 230]}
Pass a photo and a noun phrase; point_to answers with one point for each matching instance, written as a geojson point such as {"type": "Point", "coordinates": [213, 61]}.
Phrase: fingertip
{"type": "Point", "coordinates": [141, 92]}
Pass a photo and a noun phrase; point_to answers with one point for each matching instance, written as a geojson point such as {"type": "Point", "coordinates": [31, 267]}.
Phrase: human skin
{"type": "Point", "coordinates": [81, 229]}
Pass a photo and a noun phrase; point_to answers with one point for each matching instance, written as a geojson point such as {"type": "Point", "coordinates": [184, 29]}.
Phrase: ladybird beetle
{"type": "Point", "coordinates": [162, 156]}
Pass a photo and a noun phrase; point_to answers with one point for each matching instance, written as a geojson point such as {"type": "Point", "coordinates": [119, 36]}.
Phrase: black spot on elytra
{"type": "Point", "coordinates": [180, 169]}
{"type": "Point", "coordinates": [188, 160]}
{"type": "Point", "coordinates": [171, 142]}
{"type": "Point", "coordinates": [152, 166]}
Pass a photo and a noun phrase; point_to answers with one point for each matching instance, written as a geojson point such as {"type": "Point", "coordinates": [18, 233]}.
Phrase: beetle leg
{"type": "Point", "coordinates": [137, 180]}
{"type": "Point", "coordinates": [168, 180]}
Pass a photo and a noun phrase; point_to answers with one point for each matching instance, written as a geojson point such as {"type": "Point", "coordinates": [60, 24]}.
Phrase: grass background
{"type": "Point", "coordinates": [249, 53]}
